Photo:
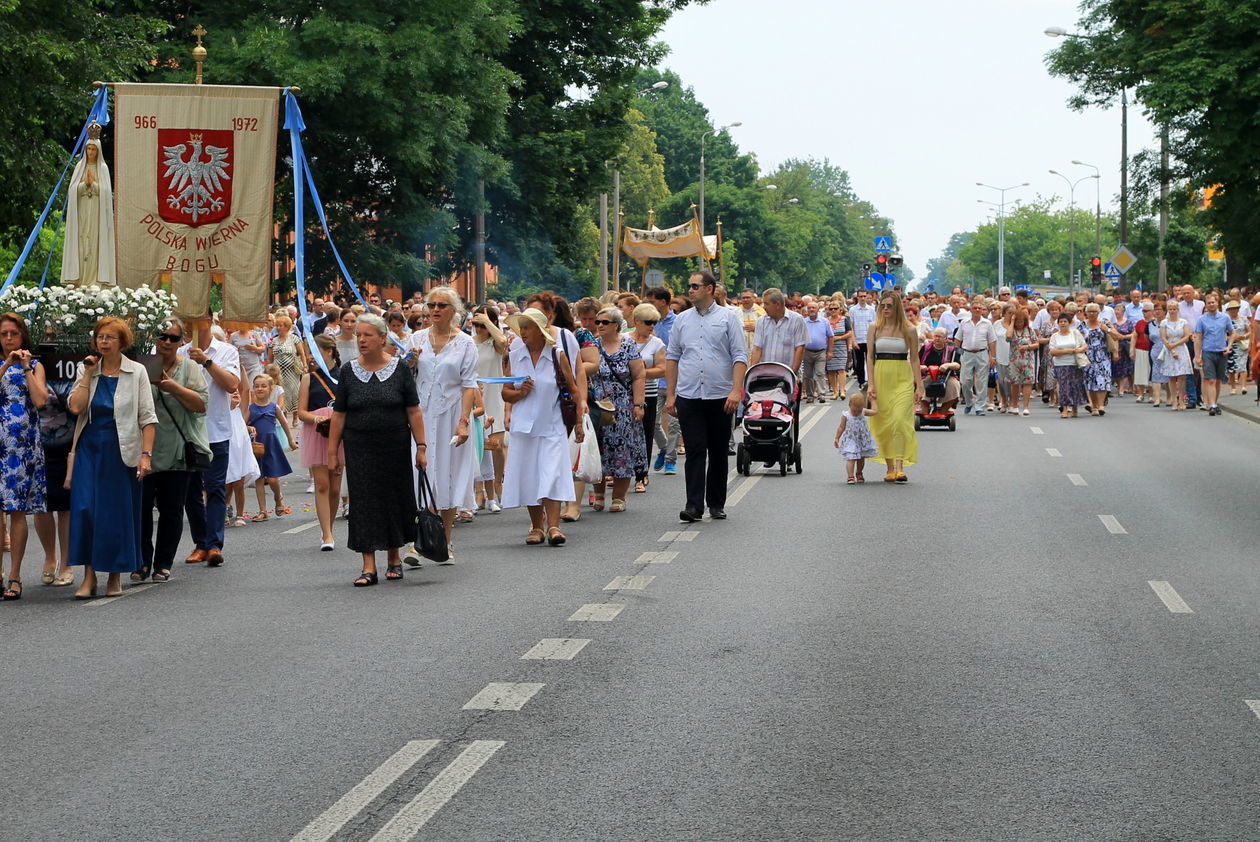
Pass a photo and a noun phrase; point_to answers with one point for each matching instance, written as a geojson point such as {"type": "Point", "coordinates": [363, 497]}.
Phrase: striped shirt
{"type": "Point", "coordinates": [862, 316]}
{"type": "Point", "coordinates": [779, 340]}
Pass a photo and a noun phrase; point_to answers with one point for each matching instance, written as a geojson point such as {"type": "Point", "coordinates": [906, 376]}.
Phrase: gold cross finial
{"type": "Point", "coordinates": [199, 51]}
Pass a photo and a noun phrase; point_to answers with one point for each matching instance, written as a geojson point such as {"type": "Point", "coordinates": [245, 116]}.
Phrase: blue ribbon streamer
{"type": "Point", "coordinates": [512, 380]}
{"type": "Point", "coordinates": [303, 179]}
{"type": "Point", "coordinates": [99, 114]}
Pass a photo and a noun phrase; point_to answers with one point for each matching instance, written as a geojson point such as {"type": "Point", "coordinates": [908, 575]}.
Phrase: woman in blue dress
{"type": "Point", "coordinates": [23, 392]}
{"type": "Point", "coordinates": [112, 453]}
{"type": "Point", "coordinates": [1159, 375]}
{"type": "Point", "coordinates": [1098, 375]}
{"type": "Point", "coordinates": [619, 379]}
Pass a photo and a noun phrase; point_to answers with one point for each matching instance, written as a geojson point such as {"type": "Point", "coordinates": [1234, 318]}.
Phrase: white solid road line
{"type": "Point", "coordinates": [365, 792]}
{"type": "Point", "coordinates": [428, 801]}
{"type": "Point", "coordinates": [1077, 479]}
{"type": "Point", "coordinates": [629, 583]}
{"type": "Point", "coordinates": [1171, 599]}
{"type": "Point", "coordinates": [733, 500]}
{"type": "Point", "coordinates": [295, 530]}
{"type": "Point", "coordinates": [132, 589]}
{"type": "Point", "coordinates": [812, 422]}
{"type": "Point", "coordinates": [1051, 451]}
{"type": "Point", "coordinates": [596, 613]}
{"type": "Point", "coordinates": [1037, 431]}
{"type": "Point", "coordinates": [555, 649]}
{"type": "Point", "coordinates": [1254, 704]}
{"type": "Point", "coordinates": [503, 695]}
{"type": "Point", "coordinates": [1113, 525]}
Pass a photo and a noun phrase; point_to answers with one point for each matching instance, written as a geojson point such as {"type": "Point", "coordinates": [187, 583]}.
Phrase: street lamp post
{"type": "Point", "coordinates": [703, 137]}
{"type": "Point", "coordinates": [1097, 206]}
{"type": "Point", "coordinates": [1001, 226]}
{"type": "Point", "coordinates": [1071, 221]}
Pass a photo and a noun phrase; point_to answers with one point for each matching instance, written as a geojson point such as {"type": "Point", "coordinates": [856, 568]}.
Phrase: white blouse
{"type": "Point", "coordinates": [442, 377]}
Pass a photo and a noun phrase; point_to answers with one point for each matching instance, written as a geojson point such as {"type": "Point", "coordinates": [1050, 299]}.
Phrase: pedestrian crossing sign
{"type": "Point", "coordinates": [883, 244]}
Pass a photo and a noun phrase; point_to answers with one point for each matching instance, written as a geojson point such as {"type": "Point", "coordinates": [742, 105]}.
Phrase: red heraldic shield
{"type": "Point", "coordinates": [194, 169]}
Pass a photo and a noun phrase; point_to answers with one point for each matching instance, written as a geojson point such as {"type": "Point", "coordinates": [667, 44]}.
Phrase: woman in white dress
{"type": "Point", "coordinates": [446, 381]}
{"type": "Point", "coordinates": [538, 474]}
{"type": "Point", "coordinates": [1174, 332]}
{"type": "Point", "coordinates": [491, 351]}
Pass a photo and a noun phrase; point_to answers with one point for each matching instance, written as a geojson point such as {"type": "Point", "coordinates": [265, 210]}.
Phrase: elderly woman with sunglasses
{"type": "Point", "coordinates": [179, 398]}
{"type": "Point", "coordinates": [618, 379]}
{"type": "Point", "coordinates": [838, 363]}
{"type": "Point", "coordinates": [446, 381]}
{"type": "Point", "coordinates": [652, 351]}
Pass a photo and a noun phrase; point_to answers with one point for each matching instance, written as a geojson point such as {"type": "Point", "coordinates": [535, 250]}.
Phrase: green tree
{"type": "Point", "coordinates": [50, 53]}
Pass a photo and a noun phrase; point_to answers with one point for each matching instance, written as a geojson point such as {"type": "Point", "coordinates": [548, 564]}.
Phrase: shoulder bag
{"type": "Point", "coordinates": [1082, 360]}
{"type": "Point", "coordinates": [195, 459]}
{"type": "Point", "coordinates": [430, 532]}
{"type": "Point", "coordinates": [324, 425]}
{"type": "Point", "coordinates": [568, 406]}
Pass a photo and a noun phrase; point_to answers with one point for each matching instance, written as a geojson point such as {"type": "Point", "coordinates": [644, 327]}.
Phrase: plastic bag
{"type": "Point", "coordinates": [587, 466]}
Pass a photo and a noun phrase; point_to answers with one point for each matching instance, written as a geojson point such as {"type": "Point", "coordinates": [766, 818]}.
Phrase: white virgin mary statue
{"type": "Point", "coordinates": [88, 256]}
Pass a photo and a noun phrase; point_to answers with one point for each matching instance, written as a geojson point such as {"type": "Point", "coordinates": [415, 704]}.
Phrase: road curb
{"type": "Point", "coordinates": [1249, 416]}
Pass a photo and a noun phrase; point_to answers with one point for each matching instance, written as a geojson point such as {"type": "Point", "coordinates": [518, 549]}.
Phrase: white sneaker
{"type": "Point", "coordinates": [310, 488]}
{"type": "Point", "coordinates": [345, 511]}
{"type": "Point", "coordinates": [493, 507]}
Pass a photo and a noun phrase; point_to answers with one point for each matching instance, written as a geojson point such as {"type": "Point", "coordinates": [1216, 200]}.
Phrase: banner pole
{"type": "Point", "coordinates": [619, 233]}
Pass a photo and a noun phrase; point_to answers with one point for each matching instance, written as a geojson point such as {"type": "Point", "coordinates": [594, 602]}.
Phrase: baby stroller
{"type": "Point", "coordinates": [769, 409]}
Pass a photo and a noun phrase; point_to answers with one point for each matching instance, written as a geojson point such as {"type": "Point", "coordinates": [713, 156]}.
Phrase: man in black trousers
{"type": "Point", "coordinates": [704, 376]}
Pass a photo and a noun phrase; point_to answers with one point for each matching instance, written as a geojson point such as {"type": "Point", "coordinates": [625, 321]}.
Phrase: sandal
{"type": "Point", "coordinates": [640, 487]}
{"type": "Point", "coordinates": [365, 579]}
{"type": "Point", "coordinates": [47, 577]}
{"type": "Point", "coordinates": [571, 518]}
{"type": "Point", "coordinates": [555, 537]}
{"type": "Point", "coordinates": [891, 476]}
{"type": "Point", "coordinates": [259, 518]}
{"type": "Point", "coordinates": [63, 580]}
{"type": "Point", "coordinates": [534, 537]}
{"type": "Point", "coordinates": [393, 572]}
{"type": "Point", "coordinates": [140, 575]}
{"type": "Point", "coordinates": [617, 506]}
{"type": "Point", "coordinates": [162, 576]}
{"type": "Point", "coordinates": [240, 521]}
{"type": "Point", "coordinates": [902, 478]}
{"type": "Point", "coordinates": [850, 481]}
{"type": "Point", "coordinates": [860, 478]}
{"type": "Point", "coordinates": [10, 594]}
{"type": "Point", "coordinates": [597, 501]}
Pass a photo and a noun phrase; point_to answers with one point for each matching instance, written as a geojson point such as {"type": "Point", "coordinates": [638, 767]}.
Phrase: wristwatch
{"type": "Point", "coordinates": [209, 362]}
{"type": "Point", "coordinates": [641, 406]}
{"type": "Point", "coordinates": [148, 453]}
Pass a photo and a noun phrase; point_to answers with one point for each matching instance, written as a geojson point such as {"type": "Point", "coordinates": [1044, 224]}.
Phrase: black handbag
{"type": "Point", "coordinates": [568, 406]}
{"type": "Point", "coordinates": [430, 533]}
{"type": "Point", "coordinates": [195, 459]}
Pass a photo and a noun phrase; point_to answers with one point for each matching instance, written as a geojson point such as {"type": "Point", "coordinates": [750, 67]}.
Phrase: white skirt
{"type": "Point", "coordinates": [537, 468]}
{"type": "Point", "coordinates": [450, 468]}
{"type": "Point", "coordinates": [242, 463]}
{"type": "Point", "coordinates": [1142, 368]}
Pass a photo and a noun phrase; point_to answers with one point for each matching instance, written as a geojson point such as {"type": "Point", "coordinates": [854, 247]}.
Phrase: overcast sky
{"type": "Point", "coordinates": [917, 99]}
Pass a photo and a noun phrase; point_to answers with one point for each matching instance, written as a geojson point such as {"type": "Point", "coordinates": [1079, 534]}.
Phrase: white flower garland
{"type": "Point", "coordinates": [66, 315]}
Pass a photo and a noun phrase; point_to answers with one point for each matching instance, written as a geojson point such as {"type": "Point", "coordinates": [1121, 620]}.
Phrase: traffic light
{"type": "Point", "coordinates": [866, 268]}
{"type": "Point", "coordinates": [1095, 270]}
{"type": "Point", "coordinates": [881, 262]}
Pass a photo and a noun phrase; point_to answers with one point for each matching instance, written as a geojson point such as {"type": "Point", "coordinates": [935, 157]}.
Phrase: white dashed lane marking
{"type": "Point", "coordinates": [629, 583]}
{"type": "Point", "coordinates": [1077, 479]}
{"type": "Point", "coordinates": [1037, 431]}
{"type": "Point", "coordinates": [555, 649]}
{"type": "Point", "coordinates": [407, 823]}
{"type": "Point", "coordinates": [1171, 599]}
{"type": "Point", "coordinates": [502, 695]}
{"type": "Point", "coordinates": [365, 792]}
{"type": "Point", "coordinates": [1254, 704]}
{"type": "Point", "coordinates": [295, 530]}
{"type": "Point", "coordinates": [1113, 525]}
{"type": "Point", "coordinates": [656, 558]}
{"type": "Point", "coordinates": [669, 537]}
{"type": "Point", "coordinates": [594, 613]}
{"type": "Point", "coordinates": [1052, 451]}
{"type": "Point", "coordinates": [134, 589]}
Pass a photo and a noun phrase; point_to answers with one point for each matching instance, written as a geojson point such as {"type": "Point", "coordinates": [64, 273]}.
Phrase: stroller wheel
{"type": "Point", "coordinates": [918, 423]}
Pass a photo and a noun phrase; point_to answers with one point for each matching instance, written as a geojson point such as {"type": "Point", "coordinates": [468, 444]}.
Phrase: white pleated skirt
{"type": "Point", "coordinates": [537, 468]}
{"type": "Point", "coordinates": [450, 468]}
{"type": "Point", "coordinates": [1142, 368]}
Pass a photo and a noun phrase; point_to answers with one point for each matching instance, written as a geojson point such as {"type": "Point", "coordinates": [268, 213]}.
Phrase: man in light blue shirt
{"type": "Point", "coordinates": [705, 363]}
{"type": "Point", "coordinates": [1214, 336]}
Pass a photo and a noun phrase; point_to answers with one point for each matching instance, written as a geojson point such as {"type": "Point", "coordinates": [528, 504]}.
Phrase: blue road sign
{"type": "Point", "coordinates": [875, 281]}
{"type": "Point", "coordinates": [883, 244]}
{"type": "Point", "coordinates": [1023, 288]}
{"type": "Point", "coordinates": [1111, 271]}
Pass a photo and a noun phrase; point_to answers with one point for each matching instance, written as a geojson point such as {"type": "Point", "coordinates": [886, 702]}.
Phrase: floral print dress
{"type": "Point", "coordinates": [21, 449]}
{"type": "Point", "coordinates": [1098, 375]}
{"type": "Point", "coordinates": [622, 448]}
{"type": "Point", "coordinates": [1023, 368]}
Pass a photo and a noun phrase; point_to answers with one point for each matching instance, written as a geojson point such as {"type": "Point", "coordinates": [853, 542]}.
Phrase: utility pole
{"type": "Point", "coordinates": [616, 240]}
{"type": "Point", "coordinates": [1163, 208]}
{"type": "Point", "coordinates": [603, 243]}
{"type": "Point", "coordinates": [1124, 168]}
{"type": "Point", "coordinates": [479, 249]}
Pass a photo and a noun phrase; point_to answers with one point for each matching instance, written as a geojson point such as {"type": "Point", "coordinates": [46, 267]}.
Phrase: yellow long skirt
{"type": "Point", "coordinates": [893, 425]}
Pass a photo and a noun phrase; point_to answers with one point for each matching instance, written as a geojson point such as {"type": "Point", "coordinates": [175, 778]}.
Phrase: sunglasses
{"type": "Point", "coordinates": [170, 337]}
{"type": "Point", "coordinates": [695, 286]}
{"type": "Point", "coordinates": [604, 322]}
{"type": "Point", "coordinates": [441, 305]}
{"type": "Point", "coordinates": [647, 321]}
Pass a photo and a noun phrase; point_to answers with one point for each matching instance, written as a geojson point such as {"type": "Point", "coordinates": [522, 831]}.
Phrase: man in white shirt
{"type": "Point", "coordinates": [979, 353]}
{"type": "Point", "coordinates": [206, 519]}
{"type": "Point", "coordinates": [861, 315]}
{"type": "Point", "coordinates": [952, 317]}
{"type": "Point", "coordinates": [780, 333]}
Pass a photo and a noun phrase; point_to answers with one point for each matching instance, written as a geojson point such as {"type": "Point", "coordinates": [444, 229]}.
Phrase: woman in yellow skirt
{"type": "Point", "coordinates": [892, 367]}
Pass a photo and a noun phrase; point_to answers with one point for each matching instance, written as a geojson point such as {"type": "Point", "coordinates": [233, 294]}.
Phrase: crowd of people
{"type": "Point", "coordinates": [474, 411]}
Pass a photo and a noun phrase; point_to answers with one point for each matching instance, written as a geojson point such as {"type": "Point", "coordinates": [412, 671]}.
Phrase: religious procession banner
{"type": "Point", "coordinates": [195, 171]}
{"type": "Point", "coordinates": [644, 244]}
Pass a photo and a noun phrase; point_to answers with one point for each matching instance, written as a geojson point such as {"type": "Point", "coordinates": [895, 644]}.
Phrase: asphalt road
{"type": "Point", "coordinates": [980, 654]}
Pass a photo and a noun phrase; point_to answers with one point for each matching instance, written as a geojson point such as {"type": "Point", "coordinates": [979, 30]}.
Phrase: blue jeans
{"type": "Point", "coordinates": [205, 520]}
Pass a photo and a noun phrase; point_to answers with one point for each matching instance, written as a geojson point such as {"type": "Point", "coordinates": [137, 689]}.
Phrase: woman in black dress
{"type": "Point", "coordinates": [378, 413]}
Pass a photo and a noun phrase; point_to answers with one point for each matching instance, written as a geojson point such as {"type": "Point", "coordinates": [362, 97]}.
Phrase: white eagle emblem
{"type": "Point", "coordinates": [196, 183]}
